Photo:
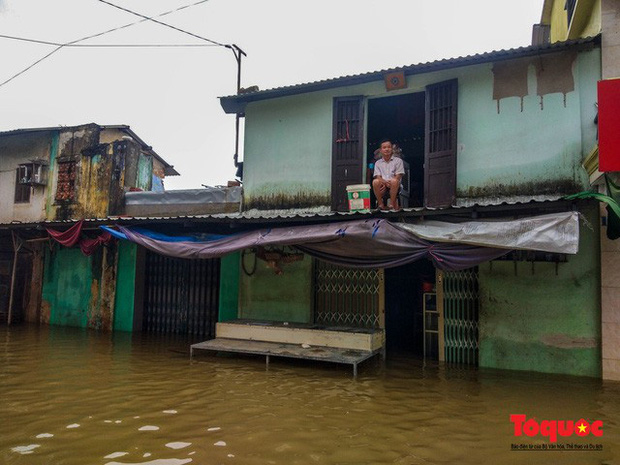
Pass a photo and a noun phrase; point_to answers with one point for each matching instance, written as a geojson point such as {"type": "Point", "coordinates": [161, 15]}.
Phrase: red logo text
{"type": "Point", "coordinates": [552, 428]}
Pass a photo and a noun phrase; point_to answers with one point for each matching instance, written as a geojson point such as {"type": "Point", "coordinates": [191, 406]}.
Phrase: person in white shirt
{"type": "Point", "coordinates": [388, 173]}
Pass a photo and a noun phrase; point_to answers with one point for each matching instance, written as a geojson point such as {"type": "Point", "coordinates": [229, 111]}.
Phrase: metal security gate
{"type": "Point", "coordinates": [461, 307]}
{"type": "Point", "coordinates": [181, 296]}
{"type": "Point", "coordinates": [346, 296]}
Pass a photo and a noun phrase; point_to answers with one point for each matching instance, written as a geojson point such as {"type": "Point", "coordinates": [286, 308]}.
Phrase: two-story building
{"type": "Point", "coordinates": [494, 137]}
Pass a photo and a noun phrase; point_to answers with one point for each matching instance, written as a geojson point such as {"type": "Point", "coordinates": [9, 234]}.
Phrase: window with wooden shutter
{"type": "Point", "coordinates": [347, 148]}
{"type": "Point", "coordinates": [440, 144]}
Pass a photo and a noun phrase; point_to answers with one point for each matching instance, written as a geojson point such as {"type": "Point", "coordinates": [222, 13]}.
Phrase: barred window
{"type": "Point", "coordinates": [22, 190]}
{"type": "Point", "coordinates": [65, 189]}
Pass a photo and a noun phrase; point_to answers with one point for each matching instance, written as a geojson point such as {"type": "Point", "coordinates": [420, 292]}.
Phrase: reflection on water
{"type": "Point", "coordinates": [76, 397]}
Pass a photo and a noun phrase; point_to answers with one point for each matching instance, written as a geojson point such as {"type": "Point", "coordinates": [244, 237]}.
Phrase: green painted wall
{"type": "Point", "coordinates": [285, 297]}
{"type": "Point", "coordinates": [67, 287]}
{"type": "Point", "coordinates": [229, 286]}
{"type": "Point", "coordinates": [518, 148]}
{"type": "Point", "coordinates": [85, 291]}
{"type": "Point", "coordinates": [537, 321]}
{"type": "Point", "coordinates": [125, 286]}
{"type": "Point", "coordinates": [288, 140]}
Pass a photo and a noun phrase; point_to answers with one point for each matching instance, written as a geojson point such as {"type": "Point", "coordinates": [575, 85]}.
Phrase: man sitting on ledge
{"type": "Point", "coordinates": [388, 172]}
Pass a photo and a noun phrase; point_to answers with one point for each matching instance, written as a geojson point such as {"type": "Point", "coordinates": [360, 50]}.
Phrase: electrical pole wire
{"type": "Point", "coordinates": [145, 18]}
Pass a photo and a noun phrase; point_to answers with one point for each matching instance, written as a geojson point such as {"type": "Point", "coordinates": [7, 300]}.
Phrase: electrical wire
{"type": "Point", "coordinates": [165, 24]}
{"type": "Point", "coordinates": [57, 44]}
{"type": "Point", "coordinates": [99, 34]}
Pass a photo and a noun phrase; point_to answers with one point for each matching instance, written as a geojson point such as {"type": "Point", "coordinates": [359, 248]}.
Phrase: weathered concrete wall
{"type": "Point", "coordinates": [108, 162]}
{"type": "Point", "coordinates": [80, 290]}
{"type": "Point", "coordinates": [268, 296]}
{"type": "Point", "coordinates": [540, 321]}
{"type": "Point", "coordinates": [510, 152]}
{"type": "Point", "coordinates": [14, 150]}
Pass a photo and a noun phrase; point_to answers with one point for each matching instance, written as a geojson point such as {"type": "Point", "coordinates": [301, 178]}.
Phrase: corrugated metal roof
{"type": "Point", "coordinates": [168, 168]}
{"type": "Point", "coordinates": [237, 103]}
{"type": "Point", "coordinates": [291, 215]}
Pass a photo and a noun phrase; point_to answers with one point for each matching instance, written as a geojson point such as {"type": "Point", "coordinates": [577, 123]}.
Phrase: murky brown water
{"type": "Point", "coordinates": [75, 397]}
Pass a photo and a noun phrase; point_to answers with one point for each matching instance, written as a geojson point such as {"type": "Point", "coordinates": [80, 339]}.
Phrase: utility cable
{"type": "Point", "coordinates": [60, 46]}
{"type": "Point", "coordinates": [165, 24]}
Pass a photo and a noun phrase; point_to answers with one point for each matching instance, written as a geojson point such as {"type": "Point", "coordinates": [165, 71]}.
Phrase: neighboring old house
{"type": "Point", "coordinates": [499, 135]}
{"type": "Point", "coordinates": [53, 177]}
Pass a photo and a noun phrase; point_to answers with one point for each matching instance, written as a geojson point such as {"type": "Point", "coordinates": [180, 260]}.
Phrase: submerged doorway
{"type": "Point", "coordinates": [181, 296]}
{"type": "Point", "coordinates": [405, 287]}
{"type": "Point", "coordinates": [401, 119]}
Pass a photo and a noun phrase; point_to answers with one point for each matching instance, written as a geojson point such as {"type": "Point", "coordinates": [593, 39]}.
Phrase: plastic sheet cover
{"type": "Point", "coordinates": [556, 232]}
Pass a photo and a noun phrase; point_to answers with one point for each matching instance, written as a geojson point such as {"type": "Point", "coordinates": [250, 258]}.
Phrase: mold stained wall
{"type": "Point", "coordinates": [102, 175]}
{"type": "Point", "coordinates": [288, 140]}
{"type": "Point", "coordinates": [85, 292]}
{"type": "Point", "coordinates": [14, 150]}
{"type": "Point", "coordinates": [539, 321]}
{"type": "Point", "coordinates": [523, 152]}
{"type": "Point", "coordinates": [285, 297]}
{"type": "Point", "coordinates": [92, 188]}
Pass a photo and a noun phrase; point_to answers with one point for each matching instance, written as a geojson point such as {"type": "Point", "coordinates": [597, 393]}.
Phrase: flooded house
{"type": "Point", "coordinates": [490, 263]}
{"type": "Point", "coordinates": [488, 138]}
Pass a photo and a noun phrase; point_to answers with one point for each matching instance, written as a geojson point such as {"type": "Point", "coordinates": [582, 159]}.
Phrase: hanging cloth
{"type": "Point", "coordinates": [68, 238]}
{"type": "Point", "coordinates": [71, 237]}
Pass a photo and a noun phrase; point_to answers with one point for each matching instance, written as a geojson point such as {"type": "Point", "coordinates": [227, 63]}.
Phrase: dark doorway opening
{"type": "Point", "coordinates": [404, 291]}
{"type": "Point", "coordinates": [401, 119]}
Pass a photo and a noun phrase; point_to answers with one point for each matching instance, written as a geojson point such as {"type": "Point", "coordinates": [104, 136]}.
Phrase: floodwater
{"type": "Point", "coordinates": [69, 396]}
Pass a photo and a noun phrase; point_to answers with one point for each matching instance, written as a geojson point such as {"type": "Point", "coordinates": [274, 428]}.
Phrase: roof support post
{"type": "Point", "coordinates": [17, 244]}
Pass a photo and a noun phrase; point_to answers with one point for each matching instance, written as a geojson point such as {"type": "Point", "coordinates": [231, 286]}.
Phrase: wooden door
{"type": "Point", "coordinates": [440, 144]}
{"type": "Point", "coordinates": [347, 148]}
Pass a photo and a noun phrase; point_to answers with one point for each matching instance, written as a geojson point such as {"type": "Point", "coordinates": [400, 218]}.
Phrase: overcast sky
{"type": "Point", "coordinates": [169, 95]}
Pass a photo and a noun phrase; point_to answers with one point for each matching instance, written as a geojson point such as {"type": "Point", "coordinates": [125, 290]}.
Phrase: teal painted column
{"type": "Point", "coordinates": [229, 286]}
{"type": "Point", "coordinates": [125, 286]}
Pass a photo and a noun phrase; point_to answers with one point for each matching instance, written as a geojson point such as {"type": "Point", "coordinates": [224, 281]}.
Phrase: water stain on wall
{"type": "Point", "coordinates": [547, 187]}
{"type": "Point", "coordinates": [286, 201]}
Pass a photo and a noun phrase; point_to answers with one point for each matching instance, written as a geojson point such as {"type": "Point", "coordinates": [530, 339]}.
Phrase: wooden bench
{"type": "Point", "coordinates": [342, 345]}
{"type": "Point", "coordinates": [278, 349]}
